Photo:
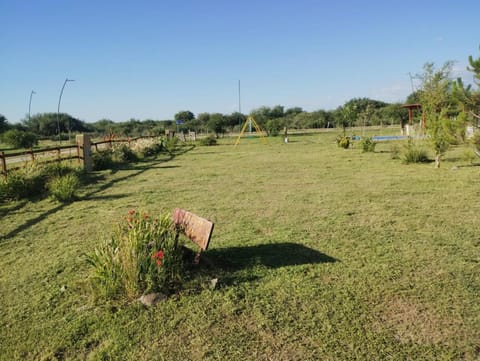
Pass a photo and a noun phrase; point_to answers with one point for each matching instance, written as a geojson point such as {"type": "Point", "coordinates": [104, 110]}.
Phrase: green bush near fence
{"type": "Point", "coordinates": [63, 188]}
{"type": "Point", "coordinates": [36, 179]}
{"type": "Point", "coordinates": [22, 183]}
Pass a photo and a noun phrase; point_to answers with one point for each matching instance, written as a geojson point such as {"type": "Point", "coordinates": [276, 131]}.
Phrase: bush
{"type": "Point", "coordinates": [343, 142]}
{"type": "Point", "coordinates": [58, 169]}
{"type": "Point", "coordinates": [414, 153]}
{"type": "Point", "coordinates": [144, 255]}
{"type": "Point", "coordinates": [152, 150]}
{"type": "Point", "coordinates": [124, 154]}
{"type": "Point", "coordinates": [368, 144]}
{"type": "Point", "coordinates": [103, 159]}
{"type": "Point", "coordinates": [171, 145]}
{"type": "Point", "coordinates": [63, 188]}
{"type": "Point", "coordinates": [20, 139]}
{"type": "Point", "coordinates": [208, 141]}
{"type": "Point", "coordinates": [22, 183]}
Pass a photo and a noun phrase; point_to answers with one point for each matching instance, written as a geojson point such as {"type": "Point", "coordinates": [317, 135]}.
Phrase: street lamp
{"type": "Point", "coordinates": [58, 110]}
{"type": "Point", "coordinates": [30, 104]}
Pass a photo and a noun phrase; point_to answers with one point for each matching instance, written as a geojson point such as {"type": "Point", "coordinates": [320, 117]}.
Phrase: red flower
{"type": "Point", "coordinates": [158, 256]}
{"type": "Point", "coordinates": [131, 212]}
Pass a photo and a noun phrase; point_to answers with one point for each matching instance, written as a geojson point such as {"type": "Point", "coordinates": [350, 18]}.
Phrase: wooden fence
{"type": "Point", "coordinates": [59, 153]}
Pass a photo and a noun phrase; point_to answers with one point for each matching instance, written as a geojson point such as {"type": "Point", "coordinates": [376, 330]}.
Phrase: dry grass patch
{"type": "Point", "coordinates": [417, 322]}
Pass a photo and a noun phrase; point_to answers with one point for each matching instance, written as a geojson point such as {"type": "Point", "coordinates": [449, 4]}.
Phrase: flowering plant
{"type": "Point", "coordinates": [143, 255]}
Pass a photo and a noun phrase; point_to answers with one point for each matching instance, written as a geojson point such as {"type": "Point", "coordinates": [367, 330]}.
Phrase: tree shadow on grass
{"type": "Point", "coordinates": [138, 169]}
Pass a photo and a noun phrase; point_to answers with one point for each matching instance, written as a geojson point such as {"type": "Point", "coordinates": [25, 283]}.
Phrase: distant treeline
{"type": "Point", "coordinates": [358, 111]}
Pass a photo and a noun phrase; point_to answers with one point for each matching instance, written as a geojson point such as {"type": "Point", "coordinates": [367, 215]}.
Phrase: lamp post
{"type": "Point", "coordinates": [58, 110]}
{"type": "Point", "coordinates": [30, 103]}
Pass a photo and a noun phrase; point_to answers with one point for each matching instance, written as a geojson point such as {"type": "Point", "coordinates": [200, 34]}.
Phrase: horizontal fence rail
{"type": "Point", "coordinates": [55, 154]}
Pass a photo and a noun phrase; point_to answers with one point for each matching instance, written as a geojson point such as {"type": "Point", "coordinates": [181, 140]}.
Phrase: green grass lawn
{"type": "Point", "coordinates": [321, 253]}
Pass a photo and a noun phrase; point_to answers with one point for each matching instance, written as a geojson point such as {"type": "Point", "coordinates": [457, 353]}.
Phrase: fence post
{"type": "Point", "coordinates": [78, 154]}
{"type": "Point", "coordinates": [4, 163]}
{"type": "Point", "coordinates": [32, 155]}
{"type": "Point", "coordinates": [84, 141]}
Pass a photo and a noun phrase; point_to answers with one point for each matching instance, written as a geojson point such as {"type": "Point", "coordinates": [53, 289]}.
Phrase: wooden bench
{"type": "Point", "coordinates": [197, 229]}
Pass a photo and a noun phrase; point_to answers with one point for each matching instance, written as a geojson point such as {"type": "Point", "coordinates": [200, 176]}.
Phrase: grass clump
{"type": "Point", "coordinates": [63, 188]}
{"type": "Point", "coordinates": [414, 153]}
{"type": "Point", "coordinates": [144, 255]}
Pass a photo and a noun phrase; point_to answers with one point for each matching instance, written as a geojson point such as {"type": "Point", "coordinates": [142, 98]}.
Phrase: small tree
{"type": "Point", "coordinates": [436, 102]}
{"type": "Point", "coordinates": [346, 117]}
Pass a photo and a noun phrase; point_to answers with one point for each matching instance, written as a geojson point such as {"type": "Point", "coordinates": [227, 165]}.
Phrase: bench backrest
{"type": "Point", "coordinates": [198, 229]}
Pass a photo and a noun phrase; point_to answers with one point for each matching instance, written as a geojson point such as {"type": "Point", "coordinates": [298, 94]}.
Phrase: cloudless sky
{"type": "Point", "coordinates": [150, 59]}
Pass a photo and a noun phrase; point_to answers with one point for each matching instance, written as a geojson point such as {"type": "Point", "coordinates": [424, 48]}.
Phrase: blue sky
{"type": "Point", "coordinates": [150, 59]}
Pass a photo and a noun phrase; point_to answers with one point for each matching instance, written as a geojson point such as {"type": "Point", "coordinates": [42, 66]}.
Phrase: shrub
{"type": "Point", "coordinates": [33, 179]}
{"type": "Point", "coordinates": [208, 141]}
{"type": "Point", "coordinates": [414, 153]}
{"type": "Point", "coordinates": [22, 183]}
{"type": "Point", "coordinates": [171, 145]}
{"type": "Point", "coordinates": [368, 144]}
{"type": "Point", "coordinates": [123, 153]}
{"type": "Point", "coordinates": [58, 169]}
{"type": "Point", "coordinates": [102, 159]}
{"type": "Point", "coordinates": [343, 142]}
{"type": "Point", "coordinates": [143, 255]}
{"type": "Point", "coordinates": [63, 188]}
{"type": "Point", "coordinates": [153, 149]}
{"type": "Point", "coordinates": [20, 139]}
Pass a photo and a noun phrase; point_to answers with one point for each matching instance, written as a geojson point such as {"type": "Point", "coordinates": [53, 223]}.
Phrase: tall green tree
{"type": "Point", "coordinates": [184, 115]}
{"type": "Point", "coordinates": [236, 119]}
{"type": "Point", "coordinates": [216, 124]}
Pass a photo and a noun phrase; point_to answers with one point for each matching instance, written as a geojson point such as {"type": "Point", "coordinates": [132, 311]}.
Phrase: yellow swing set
{"type": "Point", "coordinates": [250, 122]}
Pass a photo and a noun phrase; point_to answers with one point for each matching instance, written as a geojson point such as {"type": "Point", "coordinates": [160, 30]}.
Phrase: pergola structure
{"type": "Point", "coordinates": [411, 108]}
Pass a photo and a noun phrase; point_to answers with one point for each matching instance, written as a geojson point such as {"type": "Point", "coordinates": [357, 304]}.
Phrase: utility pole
{"type": "Point", "coordinates": [58, 111]}
{"type": "Point", "coordinates": [30, 104]}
